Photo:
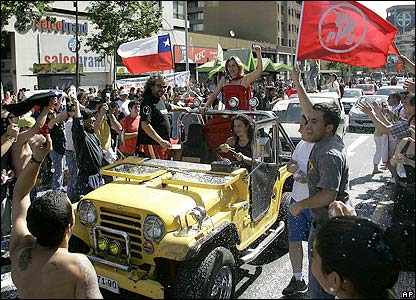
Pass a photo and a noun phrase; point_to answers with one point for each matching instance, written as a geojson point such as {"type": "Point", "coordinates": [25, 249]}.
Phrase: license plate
{"type": "Point", "coordinates": [108, 283]}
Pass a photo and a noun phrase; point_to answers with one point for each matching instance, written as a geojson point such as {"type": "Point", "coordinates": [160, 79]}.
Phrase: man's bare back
{"type": "Point", "coordinates": [39, 272]}
{"type": "Point", "coordinates": [41, 265]}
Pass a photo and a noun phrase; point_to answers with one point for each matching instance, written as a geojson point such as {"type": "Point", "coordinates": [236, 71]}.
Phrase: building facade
{"type": "Point", "coordinates": [44, 55]}
{"type": "Point", "coordinates": [403, 17]}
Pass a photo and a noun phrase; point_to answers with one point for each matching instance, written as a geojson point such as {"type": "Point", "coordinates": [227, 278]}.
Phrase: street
{"type": "Point", "coordinates": [270, 273]}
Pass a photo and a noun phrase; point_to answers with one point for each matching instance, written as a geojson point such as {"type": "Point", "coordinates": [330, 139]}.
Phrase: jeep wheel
{"type": "Point", "coordinates": [209, 277]}
{"type": "Point", "coordinates": [282, 240]}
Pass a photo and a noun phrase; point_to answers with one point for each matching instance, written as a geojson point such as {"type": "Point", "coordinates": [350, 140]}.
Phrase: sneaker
{"type": "Point", "coordinates": [295, 286]}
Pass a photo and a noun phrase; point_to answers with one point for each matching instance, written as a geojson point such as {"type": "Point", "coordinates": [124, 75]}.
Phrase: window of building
{"type": "Point", "coordinates": [179, 9]}
{"type": "Point", "coordinates": [197, 27]}
{"type": "Point", "coordinates": [200, 3]}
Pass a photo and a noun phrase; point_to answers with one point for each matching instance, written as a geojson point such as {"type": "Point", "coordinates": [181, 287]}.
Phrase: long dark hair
{"type": "Point", "coordinates": [247, 122]}
{"type": "Point", "coordinates": [151, 82]}
{"type": "Point", "coordinates": [360, 252]}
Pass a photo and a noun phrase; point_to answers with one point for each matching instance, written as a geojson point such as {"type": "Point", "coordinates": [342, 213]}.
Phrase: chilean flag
{"type": "Point", "coordinates": [147, 55]}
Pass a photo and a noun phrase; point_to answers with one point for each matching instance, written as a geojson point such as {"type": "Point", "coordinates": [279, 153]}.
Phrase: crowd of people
{"type": "Point", "coordinates": [82, 133]}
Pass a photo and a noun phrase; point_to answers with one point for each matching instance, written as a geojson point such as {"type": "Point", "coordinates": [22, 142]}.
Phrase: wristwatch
{"type": "Point", "coordinates": [36, 161]}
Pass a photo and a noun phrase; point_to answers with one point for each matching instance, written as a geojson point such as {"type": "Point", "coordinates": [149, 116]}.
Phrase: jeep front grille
{"type": "Point", "coordinates": [124, 221]}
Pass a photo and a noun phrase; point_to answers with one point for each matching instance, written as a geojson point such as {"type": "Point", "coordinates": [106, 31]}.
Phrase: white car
{"type": "Point", "coordinates": [290, 114]}
{"type": "Point", "coordinates": [350, 97]}
{"type": "Point", "coordinates": [390, 89]}
{"type": "Point", "coordinates": [360, 120]}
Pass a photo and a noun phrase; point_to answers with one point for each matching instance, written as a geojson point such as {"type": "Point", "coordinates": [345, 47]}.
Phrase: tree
{"type": "Point", "coordinates": [118, 22]}
{"type": "Point", "coordinates": [24, 11]}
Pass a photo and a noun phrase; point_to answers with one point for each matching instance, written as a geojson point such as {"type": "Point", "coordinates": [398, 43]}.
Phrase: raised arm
{"type": "Point", "coordinates": [304, 100]}
{"type": "Point", "coordinates": [365, 108]}
{"type": "Point", "coordinates": [40, 121]}
{"type": "Point", "coordinates": [9, 138]}
{"type": "Point", "coordinates": [20, 235]}
{"type": "Point", "coordinates": [62, 116]}
{"type": "Point", "coordinates": [251, 77]}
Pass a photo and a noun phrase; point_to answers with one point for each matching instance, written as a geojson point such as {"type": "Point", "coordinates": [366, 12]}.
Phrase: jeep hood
{"type": "Point", "coordinates": [166, 201]}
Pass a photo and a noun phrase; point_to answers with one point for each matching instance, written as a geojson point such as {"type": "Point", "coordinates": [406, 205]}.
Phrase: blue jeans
{"type": "Point", "coordinates": [58, 173]}
{"type": "Point", "coordinates": [315, 291]}
{"type": "Point", "coordinates": [73, 173]}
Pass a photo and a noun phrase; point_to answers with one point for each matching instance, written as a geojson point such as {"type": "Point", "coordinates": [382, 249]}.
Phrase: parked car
{"type": "Point", "coordinates": [179, 229]}
{"type": "Point", "coordinates": [350, 97]}
{"type": "Point", "coordinates": [390, 89]}
{"type": "Point", "coordinates": [290, 114]}
{"type": "Point", "coordinates": [360, 120]}
{"type": "Point", "coordinates": [368, 88]}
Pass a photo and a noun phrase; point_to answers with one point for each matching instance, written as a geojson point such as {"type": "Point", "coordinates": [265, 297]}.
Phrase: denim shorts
{"type": "Point", "coordinates": [300, 225]}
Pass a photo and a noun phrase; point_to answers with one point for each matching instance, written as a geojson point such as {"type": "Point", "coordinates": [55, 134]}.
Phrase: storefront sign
{"type": "Point", "coordinates": [60, 26]}
{"type": "Point", "coordinates": [195, 54]}
{"type": "Point", "coordinates": [58, 49]}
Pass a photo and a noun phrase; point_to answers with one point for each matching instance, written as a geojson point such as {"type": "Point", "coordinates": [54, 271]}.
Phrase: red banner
{"type": "Point", "coordinates": [344, 31]}
{"type": "Point", "coordinates": [195, 54]}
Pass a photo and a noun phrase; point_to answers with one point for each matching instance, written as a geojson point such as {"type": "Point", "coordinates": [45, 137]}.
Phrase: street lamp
{"type": "Point", "coordinates": [76, 47]}
{"type": "Point", "coordinates": [232, 34]}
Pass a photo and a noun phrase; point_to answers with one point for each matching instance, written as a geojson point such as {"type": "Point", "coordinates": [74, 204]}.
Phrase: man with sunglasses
{"type": "Point", "coordinates": [153, 137]}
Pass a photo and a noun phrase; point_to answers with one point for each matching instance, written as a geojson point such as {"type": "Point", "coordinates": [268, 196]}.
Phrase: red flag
{"type": "Point", "coordinates": [344, 31]}
{"type": "Point", "coordinates": [147, 55]}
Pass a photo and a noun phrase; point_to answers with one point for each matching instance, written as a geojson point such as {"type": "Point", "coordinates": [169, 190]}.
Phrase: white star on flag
{"type": "Point", "coordinates": [166, 43]}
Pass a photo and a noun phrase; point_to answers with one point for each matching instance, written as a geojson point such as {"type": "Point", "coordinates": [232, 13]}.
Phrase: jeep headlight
{"type": "Point", "coordinates": [153, 228]}
{"type": "Point", "coordinates": [87, 213]}
{"type": "Point", "coordinates": [233, 102]}
{"type": "Point", "coordinates": [253, 102]}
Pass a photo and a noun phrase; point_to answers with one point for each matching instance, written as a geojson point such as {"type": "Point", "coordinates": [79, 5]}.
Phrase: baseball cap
{"type": "Point", "coordinates": [124, 92]}
{"type": "Point", "coordinates": [26, 121]}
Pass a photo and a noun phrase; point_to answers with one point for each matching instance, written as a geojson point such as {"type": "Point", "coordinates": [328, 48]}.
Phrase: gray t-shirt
{"type": "Point", "coordinates": [328, 169]}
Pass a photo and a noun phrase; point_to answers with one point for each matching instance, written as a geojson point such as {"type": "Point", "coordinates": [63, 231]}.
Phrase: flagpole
{"type": "Point", "coordinates": [186, 35]}
{"type": "Point", "coordinates": [300, 28]}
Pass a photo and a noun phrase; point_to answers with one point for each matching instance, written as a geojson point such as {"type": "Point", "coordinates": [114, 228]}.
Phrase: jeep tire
{"type": "Point", "coordinates": [211, 276]}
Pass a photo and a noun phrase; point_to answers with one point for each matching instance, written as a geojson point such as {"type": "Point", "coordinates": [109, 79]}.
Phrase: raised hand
{"type": "Point", "coordinates": [41, 146]}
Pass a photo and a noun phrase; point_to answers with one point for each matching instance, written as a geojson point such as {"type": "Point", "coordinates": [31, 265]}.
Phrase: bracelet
{"type": "Point", "coordinates": [36, 161]}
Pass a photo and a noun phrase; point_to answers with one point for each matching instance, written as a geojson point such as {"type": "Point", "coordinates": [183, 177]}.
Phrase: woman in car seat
{"type": "Point", "coordinates": [239, 144]}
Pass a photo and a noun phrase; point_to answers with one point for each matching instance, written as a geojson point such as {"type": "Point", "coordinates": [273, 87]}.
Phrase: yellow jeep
{"type": "Point", "coordinates": [178, 229]}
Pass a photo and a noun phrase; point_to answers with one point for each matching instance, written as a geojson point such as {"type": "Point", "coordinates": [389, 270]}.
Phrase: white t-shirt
{"type": "Point", "coordinates": [334, 87]}
{"type": "Point", "coordinates": [301, 154]}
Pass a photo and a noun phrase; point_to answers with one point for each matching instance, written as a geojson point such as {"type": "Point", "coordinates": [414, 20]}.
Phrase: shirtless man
{"type": "Point", "coordinates": [20, 153]}
{"type": "Point", "coordinates": [41, 265]}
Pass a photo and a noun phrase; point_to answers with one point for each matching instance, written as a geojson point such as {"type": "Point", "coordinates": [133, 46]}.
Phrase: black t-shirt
{"type": "Point", "coordinates": [155, 111]}
{"type": "Point", "coordinates": [58, 138]}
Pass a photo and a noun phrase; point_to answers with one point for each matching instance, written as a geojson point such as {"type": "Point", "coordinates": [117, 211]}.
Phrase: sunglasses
{"type": "Point", "coordinates": [11, 117]}
{"type": "Point", "coordinates": [161, 86]}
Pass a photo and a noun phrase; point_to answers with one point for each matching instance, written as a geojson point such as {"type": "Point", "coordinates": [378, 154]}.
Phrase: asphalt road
{"type": "Point", "coordinates": [269, 274]}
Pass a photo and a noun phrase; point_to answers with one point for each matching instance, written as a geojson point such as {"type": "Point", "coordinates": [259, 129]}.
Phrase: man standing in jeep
{"type": "Point", "coordinates": [153, 137]}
